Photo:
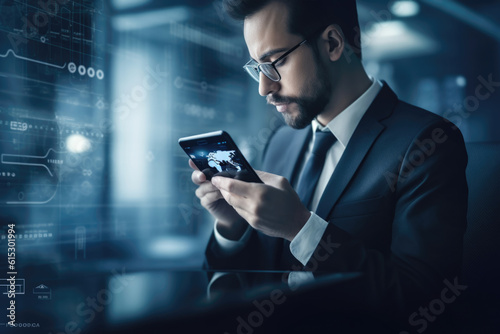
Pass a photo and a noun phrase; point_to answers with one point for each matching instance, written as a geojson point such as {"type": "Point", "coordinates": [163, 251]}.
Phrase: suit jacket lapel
{"type": "Point", "coordinates": [287, 165]}
{"type": "Point", "coordinates": [296, 149]}
{"type": "Point", "coordinates": [362, 139]}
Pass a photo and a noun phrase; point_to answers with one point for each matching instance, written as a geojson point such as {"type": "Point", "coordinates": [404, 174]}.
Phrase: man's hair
{"type": "Point", "coordinates": [307, 16]}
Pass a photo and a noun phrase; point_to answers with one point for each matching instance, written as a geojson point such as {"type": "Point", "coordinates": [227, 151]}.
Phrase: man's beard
{"type": "Point", "coordinates": [312, 101]}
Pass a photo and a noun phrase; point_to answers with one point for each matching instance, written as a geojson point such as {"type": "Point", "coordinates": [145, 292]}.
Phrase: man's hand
{"type": "Point", "coordinates": [229, 223]}
{"type": "Point", "coordinates": [273, 208]}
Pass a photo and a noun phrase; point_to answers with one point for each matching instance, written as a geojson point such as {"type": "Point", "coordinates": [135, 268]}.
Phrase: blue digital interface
{"type": "Point", "coordinates": [94, 95]}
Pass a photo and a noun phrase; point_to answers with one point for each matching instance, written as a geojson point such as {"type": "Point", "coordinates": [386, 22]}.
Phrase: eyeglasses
{"type": "Point", "coordinates": [269, 68]}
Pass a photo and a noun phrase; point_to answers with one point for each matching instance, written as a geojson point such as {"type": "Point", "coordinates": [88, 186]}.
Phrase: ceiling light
{"type": "Point", "coordinates": [78, 144]}
{"type": "Point", "coordinates": [405, 8]}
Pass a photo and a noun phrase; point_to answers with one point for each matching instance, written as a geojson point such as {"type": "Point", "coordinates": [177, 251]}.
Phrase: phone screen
{"type": "Point", "coordinates": [217, 154]}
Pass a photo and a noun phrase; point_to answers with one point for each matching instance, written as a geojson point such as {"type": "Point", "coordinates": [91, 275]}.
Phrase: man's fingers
{"type": "Point", "coordinates": [211, 197]}
{"type": "Point", "coordinates": [237, 202]}
{"type": "Point", "coordinates": [233, 186]}
{"type": "Point", "coordinates": [192, 165]}
{"type": "Point", "coordinates": [198, 177]}
{"type": "Point", "coordinates": [265, 177]}
{"type": "Point", "coordinates": [204, 189]}
{"type": "Point", "coordinates": [273, 180]}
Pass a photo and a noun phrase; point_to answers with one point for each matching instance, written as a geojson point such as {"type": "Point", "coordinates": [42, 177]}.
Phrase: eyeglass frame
{"type": "Point", "coordinates": [249, 64]}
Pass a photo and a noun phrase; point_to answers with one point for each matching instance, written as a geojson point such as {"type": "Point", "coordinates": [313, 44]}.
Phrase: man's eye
{"type": "Point", "coordinates": [280, 63]}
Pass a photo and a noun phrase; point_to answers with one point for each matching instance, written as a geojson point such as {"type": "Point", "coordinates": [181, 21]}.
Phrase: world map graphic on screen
{"type": "Point", "coordinates": [223, 160]}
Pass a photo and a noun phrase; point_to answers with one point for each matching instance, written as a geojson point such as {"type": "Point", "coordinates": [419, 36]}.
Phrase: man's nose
{"type": "Point", "coordinates": [267, 86]}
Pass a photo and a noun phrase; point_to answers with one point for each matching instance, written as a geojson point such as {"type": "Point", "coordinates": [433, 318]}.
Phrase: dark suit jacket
{"type": "Point", "coordinates": [396, 203]}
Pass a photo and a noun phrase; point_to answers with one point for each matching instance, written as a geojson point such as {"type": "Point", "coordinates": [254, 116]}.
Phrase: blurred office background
{"type": "Point", "coordinates": [95, 94]}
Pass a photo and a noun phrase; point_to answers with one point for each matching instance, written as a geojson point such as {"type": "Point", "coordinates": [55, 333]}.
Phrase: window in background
{"type": "Point", "coordinates": [53, 134]}
{"type": "Point", "coordinates": [438, 53]}
{"type": "Point", "coordinates": [176, 71]}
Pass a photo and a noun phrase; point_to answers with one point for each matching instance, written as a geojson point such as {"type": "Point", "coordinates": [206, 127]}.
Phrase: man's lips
{"type": "Point", "coordinates": [281, 107]}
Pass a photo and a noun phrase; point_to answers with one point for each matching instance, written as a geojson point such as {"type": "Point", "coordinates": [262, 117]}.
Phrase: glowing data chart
{"type": "Point", "coordinates": [20, 285]}
{"type": "Point", "coordinates": [72, 67]}
{"type": "Point", "coordinates": [82, 70]}
{"type": "Point", "coordinates": [203, 87]}
{"type": "Point", "coordinates": [10, 51]}
{"type": "Point", "coordinates": [48, 161]}
{"type": "Point", "coordinates": [42, 292]}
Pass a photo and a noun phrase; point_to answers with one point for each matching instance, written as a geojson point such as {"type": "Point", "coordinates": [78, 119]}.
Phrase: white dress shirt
{"type": "Point", "coordinates": [342, 126]}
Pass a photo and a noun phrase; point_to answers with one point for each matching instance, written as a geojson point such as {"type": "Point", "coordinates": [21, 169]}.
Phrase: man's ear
{"type": "Point", "coordinates": [334, 40]}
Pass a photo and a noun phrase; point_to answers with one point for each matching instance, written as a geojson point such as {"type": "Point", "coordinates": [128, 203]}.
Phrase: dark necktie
{"type": "Point", "coordinates": [314, 165]}
{"type": "Point", "coordinates": [307, 185]}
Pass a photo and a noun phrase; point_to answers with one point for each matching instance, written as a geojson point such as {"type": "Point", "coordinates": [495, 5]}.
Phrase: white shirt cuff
{"type": "Point", "coordinates": [306, 241]}
{"type": "Point", "coordinates": [229, 247]}
{"type": "Point", "coordinates": [216, 276]}
{"type": "Point", "coordinates": [298, 278]}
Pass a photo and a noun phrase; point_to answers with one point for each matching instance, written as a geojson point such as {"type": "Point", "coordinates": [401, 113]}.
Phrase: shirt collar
{"type": "Point", "coordinates": [344, 124]}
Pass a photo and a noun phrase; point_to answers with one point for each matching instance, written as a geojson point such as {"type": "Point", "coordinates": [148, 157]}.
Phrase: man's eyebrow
{"type": "Point", "coordinates": [271, 52]}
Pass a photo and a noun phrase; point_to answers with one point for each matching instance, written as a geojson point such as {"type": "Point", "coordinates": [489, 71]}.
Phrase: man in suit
{"type": "Point", "coordinates": [384, 194]}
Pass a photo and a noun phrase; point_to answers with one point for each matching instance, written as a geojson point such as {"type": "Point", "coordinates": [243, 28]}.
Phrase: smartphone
{"type": "Point", "coordinates": [216, 154]}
